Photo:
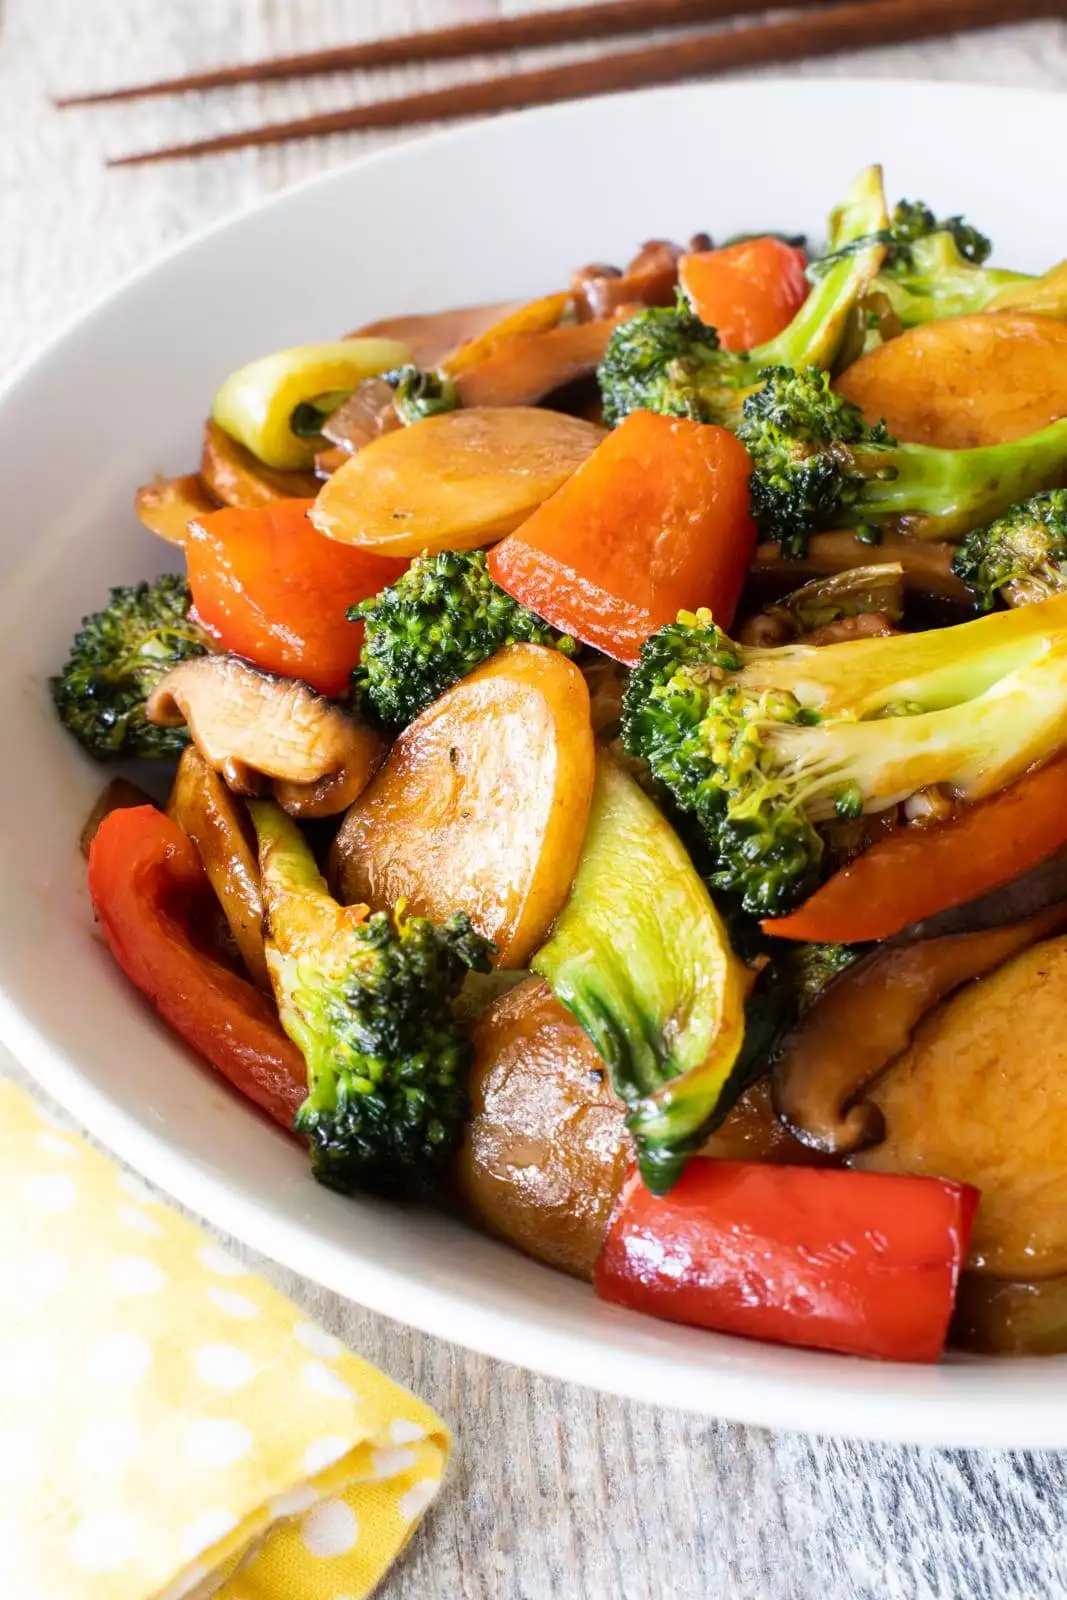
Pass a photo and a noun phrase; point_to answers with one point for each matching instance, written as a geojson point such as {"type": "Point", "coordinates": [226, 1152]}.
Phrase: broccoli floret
{"type": "Point", "coordinates": [420, 393]}
{"type": "Point", "coordinates": [935, 268]}
{"type": "Point", "coordinates": [809, 968]}
{"type": "Point", "coordinates": [368, 1000]}
{"type": "Point", "coordinates": [913, 222]}
{"type": "Point", "coordinates": [1022, 556]}
{"type": "Point", "coordinates": [764, 746]}
{"type": "Point", "coordinates": [116, 660]}
{"type": "Point", "coordinates": [658, 360]}
{"type": "Point", "coordinates": [816, 464]}
{"type": "Point", "coordinates": [667, 360]}
{"type": "Point", "coordinates": [438, 622]}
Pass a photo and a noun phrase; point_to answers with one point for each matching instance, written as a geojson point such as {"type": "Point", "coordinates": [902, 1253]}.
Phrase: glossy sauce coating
{"type": "Point", "coordinates": [481, 805]}
{"type": "Point", "coordinates": [981, 1097]}
{"type": "Point", "coordinates": [546, 1144]}
{"type": "Point", "coordinates": [452, 482]}
{"type": "Point", "coordinates": [968, 381]}
{"type": "Point", "coordinates": [795, 1255]}
{"type": "Point", "coordinates": [865, 1018]}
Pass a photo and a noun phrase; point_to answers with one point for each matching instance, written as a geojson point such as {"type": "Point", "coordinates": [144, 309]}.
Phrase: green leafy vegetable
{"type": "Point", "coordinates": [116, 660]}
{"type": "Point", "coordinates": [369, 1001]}
{"type": "Point", "coordinates": [764, 746]}
{"type": "Point", "coordinates": [438, 622]}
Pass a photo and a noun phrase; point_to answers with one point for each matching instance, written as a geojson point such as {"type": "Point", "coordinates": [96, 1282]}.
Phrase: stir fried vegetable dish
{"type": "Point", "coordinates": [602, 769]}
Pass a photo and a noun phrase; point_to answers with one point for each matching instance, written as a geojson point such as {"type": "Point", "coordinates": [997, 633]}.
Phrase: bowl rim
{"type": "Point", "coordinates": [961, 1403]}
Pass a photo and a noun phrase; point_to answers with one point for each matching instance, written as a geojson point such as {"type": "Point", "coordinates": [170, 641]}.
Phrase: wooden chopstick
{"type": "Point", "coordinates": [569, 26]}
{"type": "Point", "coordinates": [856, 24]}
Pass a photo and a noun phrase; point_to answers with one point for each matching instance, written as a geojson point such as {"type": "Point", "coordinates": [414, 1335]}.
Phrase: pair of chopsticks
{"type": "Point", "coordinates": [811, 30]}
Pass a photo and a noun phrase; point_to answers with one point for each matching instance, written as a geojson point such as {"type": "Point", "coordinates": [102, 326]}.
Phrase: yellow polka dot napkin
{"type": "Point", "coordinates": [172, 1428]}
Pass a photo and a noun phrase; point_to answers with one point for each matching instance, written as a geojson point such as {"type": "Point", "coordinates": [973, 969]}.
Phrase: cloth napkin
{"type": "Point", "coordinates": [170, 1426]}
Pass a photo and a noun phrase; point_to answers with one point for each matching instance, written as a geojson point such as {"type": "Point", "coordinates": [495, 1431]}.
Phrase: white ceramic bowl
{"type": "Point", "coordinates": [489, 211]}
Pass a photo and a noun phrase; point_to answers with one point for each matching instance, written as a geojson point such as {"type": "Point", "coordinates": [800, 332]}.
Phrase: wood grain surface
{"type": "Point", "coordinates": [557, 1493]}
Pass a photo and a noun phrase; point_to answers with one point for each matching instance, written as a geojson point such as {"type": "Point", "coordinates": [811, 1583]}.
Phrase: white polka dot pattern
{"type": "Point", "coordinates": [330, 1529]}
{"type": "Point", "coordinates": [322, 1453]}
{"type": "Point", "coordinates": [223, 1366]}
{"type": "Point", "coordinates": [233, 1304]}
{"type": "Point", "coordinates": [293, 1503]}
{"type": "Point", "coordinates": [139, 1221]}
{"type": "Point", "coordinates": [418, 1497]}
{"type": "Point", "coordinates": [50, 1191]}
{"type": "Point", "coordinates": [108, 1444]}
{"type": "Point", "coordinates": [205, 1531]}
{"type": "Point", "coordinates": [217, 1442]}
{"type": "Point", "coordinates": [119, 1360]}
{"type": "Point", "coordinates": [220, 1262]}
{"type": "Point", "coordinates": [317, 1340]}
{"type": "Point", "coordinates": [323, 1380]}
{"type": "Point", "coordinates": [136, 1275]}
{"type": "Point", "coordinates": [104, 1540]}
{"type": "Point", "coordinates": [200, 1436]}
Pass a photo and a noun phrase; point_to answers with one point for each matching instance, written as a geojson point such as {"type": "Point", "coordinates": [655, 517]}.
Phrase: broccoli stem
{"type": "Point", "coordinates": [368, 999]}
{"type": "Point", "coordinates": [953, 490]}
{"type": "Point", "coordinates": [814, 336]}
{"type": "Point", "coordinates": [960, 293]}
{"type": "Point", "coordinates": [973, 746]}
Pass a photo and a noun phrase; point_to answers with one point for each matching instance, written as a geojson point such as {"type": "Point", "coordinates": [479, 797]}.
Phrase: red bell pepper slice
{"type": "Point", "coordinates": [915, 872]}
{"type": "Point", "coordinates": [146, 882]}
{"type": "Point", "coordinates": [864, 1263]}
{"type": "Point", "coordinates": [656, 521]}
{"type": "Point", "coordinates": [268, 586]}
{"type": "Point", "coordinates": [748, 292]}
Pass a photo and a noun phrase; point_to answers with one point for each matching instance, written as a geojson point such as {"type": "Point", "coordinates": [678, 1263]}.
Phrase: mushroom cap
{"type": "Point", "coordinates": [250, 726]}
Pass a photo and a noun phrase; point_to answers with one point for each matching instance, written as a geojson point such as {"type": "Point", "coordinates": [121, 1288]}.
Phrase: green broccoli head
{"type": "Point", "coordinates": [419, 393]}
{"type": "Point", "coordinates": [808, 969]}
{"type": "Point", "coordinates": [438, 622]}
{"type": "Point", "coordinates": [369, 1001]}
{"type": "Point", "coordinates": [116, 660]}
{"type": "Point", "coordinates": [764, 746]}
{"type": "Point", "coordinates": [682, 715]}
{"type": "Point", "coordinates": [1022, 556]}
{"type": "Point", "coordinates": [816, 464]}
{"type": "Point", "coordinates": [937, 268]}
{"type": "Point", "coordinates": [665, 359]}
{"type": "Point", "coordinates": [793, 429]}
{"type": "Point", "coordinates": [661, 360]}
{"type": "Point", "coordinates": [913, 222]}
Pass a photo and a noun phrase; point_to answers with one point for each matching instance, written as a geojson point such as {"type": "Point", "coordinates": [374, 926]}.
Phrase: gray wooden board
{"type": "Point", "coordinates": [557, 1491]}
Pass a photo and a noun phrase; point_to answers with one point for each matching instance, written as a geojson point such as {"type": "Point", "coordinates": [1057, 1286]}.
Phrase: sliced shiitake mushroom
{"type": "Point", "coordinates": [927, 567]}
{"type": "Point", "coordinates": [858, 595]}
{"type": "Point", "coordinates": [366, 414]}
{"type": "Point", "coordinates": [864, 1020]}
{"type": "Point", "coordinates": [203, 807]}
{"type": "Point", "coordinates": [249, 725]}
{"type": "Point", "coordinates": [546, 1146]}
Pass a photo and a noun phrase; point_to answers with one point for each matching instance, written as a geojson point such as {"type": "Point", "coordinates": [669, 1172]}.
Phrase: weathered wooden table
{"type": "Point", "coordinates": [558, 1492]}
